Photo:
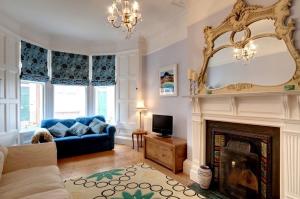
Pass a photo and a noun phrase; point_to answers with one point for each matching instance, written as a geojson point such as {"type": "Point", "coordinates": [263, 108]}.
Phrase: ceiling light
{"type": "Point", "coordinates": [124, 14]}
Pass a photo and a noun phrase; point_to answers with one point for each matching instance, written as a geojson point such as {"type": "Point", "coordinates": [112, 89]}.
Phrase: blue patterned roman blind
{"type": "Point", "coordinates": [70, 69]}
{"type": "Point", "coordinates": [104, 70]}
{"type": "Point", "coordinates": [34, 63]}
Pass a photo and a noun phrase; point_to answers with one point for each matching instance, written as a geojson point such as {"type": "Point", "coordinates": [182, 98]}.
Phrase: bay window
{"type": "Point", "coordinates": [69, 101]}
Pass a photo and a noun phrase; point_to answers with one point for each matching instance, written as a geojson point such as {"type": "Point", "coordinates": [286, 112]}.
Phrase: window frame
{"type": "Point", "coordinates": [43, 105]}
{"type": "Point", "coordinates": [114, 120]}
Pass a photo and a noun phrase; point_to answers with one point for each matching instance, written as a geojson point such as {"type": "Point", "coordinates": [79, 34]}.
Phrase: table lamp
{"type": "Point", "coordinates": [141, 107]}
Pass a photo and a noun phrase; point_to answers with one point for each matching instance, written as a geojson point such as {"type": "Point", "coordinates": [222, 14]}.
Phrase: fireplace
{"type": "Point", "coordinates": [245, 159]}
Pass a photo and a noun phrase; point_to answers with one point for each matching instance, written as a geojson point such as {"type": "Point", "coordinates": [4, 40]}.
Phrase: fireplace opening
{"type": "Point", "coordinates": [239, 170]}
{"type": "Point", "coordinates": [244, 159]}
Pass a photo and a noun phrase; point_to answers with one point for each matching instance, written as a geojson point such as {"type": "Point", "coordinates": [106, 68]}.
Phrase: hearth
{"type": "Point", "coordinates": [244, 159]}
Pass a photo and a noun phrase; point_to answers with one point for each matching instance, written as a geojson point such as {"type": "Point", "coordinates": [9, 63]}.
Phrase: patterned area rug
{"type": "Point", "coordinates": [134, 182]}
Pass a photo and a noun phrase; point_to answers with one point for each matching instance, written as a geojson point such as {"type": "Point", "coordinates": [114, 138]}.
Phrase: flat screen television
{"type": "Point", "coordinates": [162, 124]}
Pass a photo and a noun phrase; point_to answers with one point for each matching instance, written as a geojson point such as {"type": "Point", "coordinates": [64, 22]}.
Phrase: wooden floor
{"type": "Point", "coordinates": [121, 156]}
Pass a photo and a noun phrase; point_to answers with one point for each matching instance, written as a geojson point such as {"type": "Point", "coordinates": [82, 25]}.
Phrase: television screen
{"type": "Point", "coordinates": [162, 124]}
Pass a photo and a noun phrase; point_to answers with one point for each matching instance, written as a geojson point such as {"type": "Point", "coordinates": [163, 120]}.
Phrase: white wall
{"type": "Point", "coordinates": [9, 87]}
{"type": "Point", "coordinates": [179, 106]}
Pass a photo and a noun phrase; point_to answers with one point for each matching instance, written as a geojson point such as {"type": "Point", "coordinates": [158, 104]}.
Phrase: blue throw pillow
{"type": "Point", "coordinates": [78, 129]}
{"type": "Point", "coordinates": [97, 126]}
{"type": "Point", "coordinates": [58, 130]}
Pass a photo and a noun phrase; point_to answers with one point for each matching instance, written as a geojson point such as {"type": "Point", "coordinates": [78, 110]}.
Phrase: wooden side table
{"type": "Point", "coordinates": [139, 138]}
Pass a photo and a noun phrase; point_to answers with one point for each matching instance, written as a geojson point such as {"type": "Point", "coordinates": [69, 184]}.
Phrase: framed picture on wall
{"type": "Point", "coordinates": [168, 80]}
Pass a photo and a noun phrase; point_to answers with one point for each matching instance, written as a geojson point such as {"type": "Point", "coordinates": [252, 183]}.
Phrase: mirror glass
{"type": "Point", "coordinates": [270, 63]}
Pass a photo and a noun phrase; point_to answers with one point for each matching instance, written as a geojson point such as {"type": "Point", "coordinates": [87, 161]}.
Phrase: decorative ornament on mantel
{"type": "Point", "coordinates": [124, 14]}
{"type": "Point", "coordinates": [193, 77]}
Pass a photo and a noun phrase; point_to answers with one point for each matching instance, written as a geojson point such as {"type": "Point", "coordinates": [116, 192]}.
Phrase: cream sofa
{"type": "Point", "coordinates": [31, 172]}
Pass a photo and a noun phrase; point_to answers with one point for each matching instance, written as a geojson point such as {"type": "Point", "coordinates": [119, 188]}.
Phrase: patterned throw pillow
{"type": "Point", "coordinates": [58, 130]}
{"type": "Point", "coordinates": [79, 129]}
{"type": "Point", "coordinates": [97, 126]}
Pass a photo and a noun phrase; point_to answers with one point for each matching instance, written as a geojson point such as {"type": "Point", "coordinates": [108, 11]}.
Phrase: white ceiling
{"type": "Point", "coordinates": [86, 19]}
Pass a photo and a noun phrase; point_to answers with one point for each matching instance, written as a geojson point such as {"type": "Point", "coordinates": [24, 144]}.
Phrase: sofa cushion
{"type": "Point", "coordinates": [78, 129]}
{"type": "Point", "coordinates": [92, 143]}
{"type": "Point", "coordinates": [97, 126]}
{"type": "Point", "coordinates": [25, 182]}
{"type": "Point", "coordinates": [56, 193]}
{"type": "Point", "coordinates": [88, 120]}
{"type": "Point", "coordinates": [58, 130]}
{"type": "Point", "coordinates": [51, 122]}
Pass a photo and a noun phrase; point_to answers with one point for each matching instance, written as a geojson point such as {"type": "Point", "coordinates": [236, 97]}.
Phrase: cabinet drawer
{"type": "Point", "coordinates": [151, 149]}
{"type": "Point", "coordinates": [166, 155]}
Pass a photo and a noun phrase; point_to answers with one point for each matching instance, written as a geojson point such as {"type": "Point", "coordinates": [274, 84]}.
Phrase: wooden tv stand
{"type": "Point", "coordinates": [169, 152]}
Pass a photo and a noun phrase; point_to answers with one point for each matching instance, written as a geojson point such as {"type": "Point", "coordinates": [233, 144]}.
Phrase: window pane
{"type": "Point", "coordinates": [69, 101]}
{"type": "Point", "coordinates": [105, 102]}
{"type": "Point", "coordinates": [31, 112]}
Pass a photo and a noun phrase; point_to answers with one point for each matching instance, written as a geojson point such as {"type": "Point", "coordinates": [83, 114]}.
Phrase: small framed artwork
{"type": "Point", "coordinates": [168, 80]}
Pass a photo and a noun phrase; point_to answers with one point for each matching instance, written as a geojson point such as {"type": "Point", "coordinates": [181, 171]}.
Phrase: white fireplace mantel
{"type": "Point", "coordinates": [276, 109]}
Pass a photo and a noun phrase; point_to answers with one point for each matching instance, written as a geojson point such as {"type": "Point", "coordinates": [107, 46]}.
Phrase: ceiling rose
{"type": "Point", "coordinates": [124, 14]}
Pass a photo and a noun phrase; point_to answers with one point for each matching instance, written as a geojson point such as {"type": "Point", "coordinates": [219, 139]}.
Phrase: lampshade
{"type": "Point", "coordinates": [141, 105]}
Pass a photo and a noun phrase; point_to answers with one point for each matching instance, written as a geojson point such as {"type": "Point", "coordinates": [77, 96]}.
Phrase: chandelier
{"type": "Point", "coordinates": [124, 14]}
{"type": "Point", "coordinates": [245, 54]}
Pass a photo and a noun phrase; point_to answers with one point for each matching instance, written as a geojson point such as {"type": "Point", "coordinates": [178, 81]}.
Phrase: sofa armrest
{"type": "Point", "coordinates": [28, 156]}
{"type": "Point", "coordinates": [111, 130]}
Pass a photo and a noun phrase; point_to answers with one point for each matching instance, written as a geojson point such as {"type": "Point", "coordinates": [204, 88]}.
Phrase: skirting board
{"type": "Point", "coordinates": [187, 166]}
{"type": "Point", "coordinates": [123, 140]}
{"type": "Point", "coordinates": [194, 173]}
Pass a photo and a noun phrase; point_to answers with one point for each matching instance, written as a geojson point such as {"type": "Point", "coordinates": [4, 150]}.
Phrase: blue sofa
{"type": "Point", "coordinates": [89, 143]}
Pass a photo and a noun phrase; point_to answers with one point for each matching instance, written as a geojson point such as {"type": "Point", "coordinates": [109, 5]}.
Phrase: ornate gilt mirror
{"type": "Point", "coordinates": [251, 51]}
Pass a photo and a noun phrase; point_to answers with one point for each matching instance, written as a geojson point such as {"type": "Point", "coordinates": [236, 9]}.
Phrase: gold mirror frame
{"type": "Point", "coordinates": [240, 18]}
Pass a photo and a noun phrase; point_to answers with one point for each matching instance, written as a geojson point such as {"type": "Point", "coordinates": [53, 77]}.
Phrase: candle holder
{"type": "Point", "coordinates": [191, 87]}
{"type": "Point", "coordinates": [194, 87]}
{"type": "Point", "coordinates": [193, 78]}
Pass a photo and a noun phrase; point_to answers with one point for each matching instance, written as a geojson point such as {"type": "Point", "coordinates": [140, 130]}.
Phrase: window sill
{"type": "Point", "coordinates": [29, 130]}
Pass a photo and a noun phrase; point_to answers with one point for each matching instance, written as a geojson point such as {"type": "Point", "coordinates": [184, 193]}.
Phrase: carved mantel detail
{"type": "Point", "coordinates": [239, 87]}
